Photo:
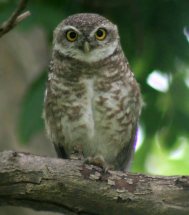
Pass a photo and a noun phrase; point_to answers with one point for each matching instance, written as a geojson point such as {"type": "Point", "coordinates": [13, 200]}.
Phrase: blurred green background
{"type": "Point", "coordinates": [158, 51]}
{"type": "Point", "coordinates": [153, 38]}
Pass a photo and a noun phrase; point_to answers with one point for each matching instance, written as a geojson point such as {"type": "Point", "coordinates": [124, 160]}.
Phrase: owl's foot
{"type": "Point", "coordinates": [77, 153]}
{"type": "Point", "coordinates": [99, 161]}
{"type": "Point", "coordinates": [76, 157]}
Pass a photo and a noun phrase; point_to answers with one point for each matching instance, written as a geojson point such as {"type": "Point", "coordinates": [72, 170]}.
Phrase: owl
{"type": "Point", "coordinates": [92, 100]}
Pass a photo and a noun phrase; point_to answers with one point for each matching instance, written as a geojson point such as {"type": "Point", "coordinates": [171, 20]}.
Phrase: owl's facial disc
{"type": "Point", "coordinates": [86, 46]}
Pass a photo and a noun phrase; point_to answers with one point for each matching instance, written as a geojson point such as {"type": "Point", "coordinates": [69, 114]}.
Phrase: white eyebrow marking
{"type": "Point", "coordinates": [101, 26]}
{"type": "Point", "coordinates": [68, 27]}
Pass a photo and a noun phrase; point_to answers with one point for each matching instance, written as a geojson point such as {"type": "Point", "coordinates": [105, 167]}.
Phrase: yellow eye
{"type": "Point", "coordinates": [71, 35]}
{"type": "Point", "coordinates": [101, 34]}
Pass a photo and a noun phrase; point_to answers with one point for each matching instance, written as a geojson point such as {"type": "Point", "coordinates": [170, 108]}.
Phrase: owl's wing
{"type": "Point", "coordinates": [52, 118]}
{"type": "Point", "coordinates": [124, 158]}
{"type": "Point", "coordinates": [53, 131]}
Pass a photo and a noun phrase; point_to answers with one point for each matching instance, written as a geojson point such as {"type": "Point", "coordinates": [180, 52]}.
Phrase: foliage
{"type": "Point", "coordinates": [31, 123]}
{"type": "Point", "coordinates": [152, 37]}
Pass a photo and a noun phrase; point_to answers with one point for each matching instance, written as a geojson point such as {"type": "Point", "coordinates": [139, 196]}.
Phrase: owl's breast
{"type": "Point", "coordinates": [92, 116]}
{"type": "Point", "coordinates": [95, 119]}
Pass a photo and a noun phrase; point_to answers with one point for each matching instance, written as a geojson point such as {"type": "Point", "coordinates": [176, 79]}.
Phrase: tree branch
{"type": "Point", "coordinates": [15, 18]}
{"type": "Point", "coordinates": [70, 187]}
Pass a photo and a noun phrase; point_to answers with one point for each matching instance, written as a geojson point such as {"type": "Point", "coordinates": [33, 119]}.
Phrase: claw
{"type": "Point", "coordinates": [99, 161]}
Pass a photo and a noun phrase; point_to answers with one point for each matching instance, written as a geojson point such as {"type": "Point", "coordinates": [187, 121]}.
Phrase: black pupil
{"type": "Point", "coordinates": [72, 35]}
{"type": "Point", "coordinates": [99, 33]}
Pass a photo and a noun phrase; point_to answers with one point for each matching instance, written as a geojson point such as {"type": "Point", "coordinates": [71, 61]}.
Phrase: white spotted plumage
{"type": "Point", "coordinates": [93, 101]}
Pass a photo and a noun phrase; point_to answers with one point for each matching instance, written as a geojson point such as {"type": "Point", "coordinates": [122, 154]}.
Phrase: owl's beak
{"type": "Point", "coordinates": [86, 47]}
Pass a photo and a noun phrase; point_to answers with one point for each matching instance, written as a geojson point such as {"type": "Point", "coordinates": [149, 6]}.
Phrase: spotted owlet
{"type": "Point", "coordinates": [92, 101]}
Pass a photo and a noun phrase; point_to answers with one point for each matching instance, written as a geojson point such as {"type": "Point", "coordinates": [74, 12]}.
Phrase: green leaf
{"type": "Point", "coordinates": [30, 119]}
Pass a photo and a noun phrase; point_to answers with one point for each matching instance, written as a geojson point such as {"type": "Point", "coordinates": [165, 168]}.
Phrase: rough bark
{"type": "Point", "coordinates": [70, 187]}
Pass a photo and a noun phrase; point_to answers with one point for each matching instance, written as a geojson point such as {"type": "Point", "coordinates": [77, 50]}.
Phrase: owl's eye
{"type": "Point", "coordinates": [71, 35]}
{"type": "Point", "coordinates": [101, 34]}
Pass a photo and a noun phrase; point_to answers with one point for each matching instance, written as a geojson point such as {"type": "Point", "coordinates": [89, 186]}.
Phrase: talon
{"type": "Point", "coordinates": [100, 162]}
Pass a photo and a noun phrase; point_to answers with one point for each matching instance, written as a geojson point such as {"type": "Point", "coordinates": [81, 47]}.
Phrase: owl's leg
{"type": "Point", "coordinates": [99, 161]}
{"type": "Point", "coordinates": [60, 151]}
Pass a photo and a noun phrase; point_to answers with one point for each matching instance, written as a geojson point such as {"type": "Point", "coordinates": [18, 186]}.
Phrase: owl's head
{"type": "Point", "coordinates": [86, 37]}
